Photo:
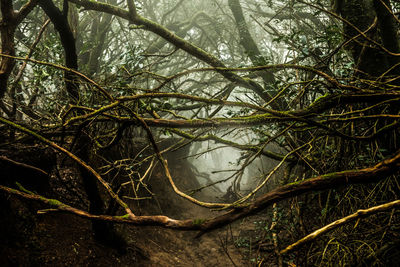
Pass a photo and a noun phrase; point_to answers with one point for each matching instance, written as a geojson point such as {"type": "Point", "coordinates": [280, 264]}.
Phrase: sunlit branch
{"type": "Point", "coordinates": [327, 181]}
{"type": "Point", "coordinates": [355, 216]}
{"type": "Point", "coordinates": [167, 172]}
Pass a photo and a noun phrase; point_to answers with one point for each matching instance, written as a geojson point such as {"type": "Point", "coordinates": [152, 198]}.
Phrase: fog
{"type": "Point", "coordinates": [230, 169]}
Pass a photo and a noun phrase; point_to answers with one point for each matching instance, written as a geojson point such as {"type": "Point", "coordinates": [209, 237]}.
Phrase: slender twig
{"type": "Point", "coordinates": [23, 165]}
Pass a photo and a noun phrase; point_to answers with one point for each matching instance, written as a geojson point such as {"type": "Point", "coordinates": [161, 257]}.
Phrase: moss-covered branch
{"type": "Point", "coordinates": [56, 205]}
{"type": "Point", "coordinates": [73, 157]}
{"type": "Point", "coordinates": [323, 182]}
{"type": "Point", "coordinates": [177, 41]}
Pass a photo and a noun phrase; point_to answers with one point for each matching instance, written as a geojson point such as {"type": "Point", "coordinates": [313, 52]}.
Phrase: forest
{"type": "Point", "coordinates": [199, 133]}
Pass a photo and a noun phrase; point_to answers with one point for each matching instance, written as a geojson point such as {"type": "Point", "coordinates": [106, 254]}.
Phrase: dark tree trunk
{"type": "Point", "coordinates": [370, 58]}
{"type": "Point", "coordinates": [104, 231]}
{"type": "Point", "coordinates": [374, 56]}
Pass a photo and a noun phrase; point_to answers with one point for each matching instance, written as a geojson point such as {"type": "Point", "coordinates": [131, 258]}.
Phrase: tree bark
{"type": "Point", "coordinates": [67, 38]}
{"type": "Point", "coordinates": [7, 31]}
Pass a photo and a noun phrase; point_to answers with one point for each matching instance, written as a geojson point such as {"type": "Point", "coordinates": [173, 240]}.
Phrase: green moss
{"type": "Point", "coordinates": [126, 216]}
{"type": "Point", "coordinates": [321, 97]}
{"type": "Point", "coordinates": [295, 183]}
{"type": "Point", "coordinates": [255, 119]}
{"type": "Point", "coordinates": [53, 202]}
{"type": "Point", "coordinates": [324, 176]}
{"type": "Point", "coordinates": [198, 221]}
{"type": "Point", "coordinates": [23, 189]}
{"type": "Point", "coordinates": [50, 201]}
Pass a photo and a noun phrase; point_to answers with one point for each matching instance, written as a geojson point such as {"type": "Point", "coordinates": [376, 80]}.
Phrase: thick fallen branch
{"type": "Point", "coordinates": [327, 181]}
{"type": "Point", "coordinates": [323, 182]}
{"type": "Point", "coordinates": [335, 224]}
{"type": "Point", "coordinates": [135, 220]}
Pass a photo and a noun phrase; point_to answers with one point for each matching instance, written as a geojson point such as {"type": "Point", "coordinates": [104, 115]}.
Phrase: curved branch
{"type": "Point", "coordinates": [327, 181]}
{"type": "Point", "coordinates": [73, 157]}
{"type": "Point", "coordinates": [359, 214]}
{"type": "Point", "coordinates": [176, 41]}
{"type": "Point", "coordinates": [25, 10]}
{"type": "Point", "coordinates": [157, 220]}
{"type": "Point", "coordinates": [60, 67]}
{"type": "Point", "coordinates": [323, 182]}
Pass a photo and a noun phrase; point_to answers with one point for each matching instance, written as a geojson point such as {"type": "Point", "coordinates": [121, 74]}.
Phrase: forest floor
{"type": "Point", "coordinates": [66, 240]}
{"type": "Point", "coordinates": [59, 239]}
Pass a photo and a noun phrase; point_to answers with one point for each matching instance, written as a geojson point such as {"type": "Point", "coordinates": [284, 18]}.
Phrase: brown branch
{"type": "Point", "coordinates": [25, 10]}
{"type": "Point", "coordinates": [157, 220]}
{"type": "Point", "coordinates": [17, 100]}
{"type": "Point", "coordinates": [60, 67]}
{"type": "Point", "coordinates": [4, 158]}
{"type": "Point", "coordinates": [335, 224]}
{"type": "Point", "coordinates": [193, 98]}
{"type": "Point", "coordinates": [217, 139]}
{"type": "Point", "coordinates": [167, 172]}
{"type": "Point", "coordinates": [73, 157]}
{"type": "Point", "coordinates": [174, 39]}
{"type": "Point", "coordinates": [328, 181]}
{"type": "Point", "coordinates": [322, 182]}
